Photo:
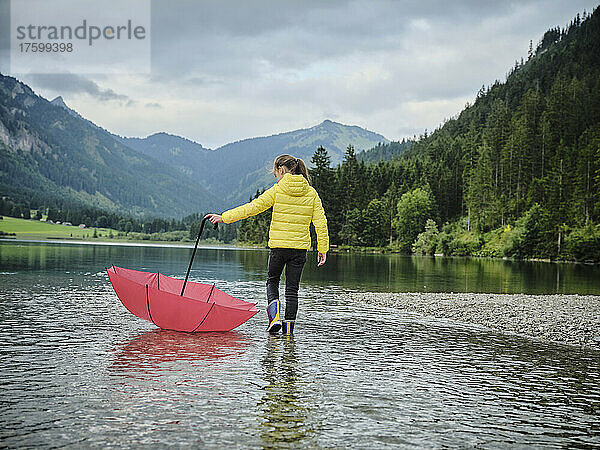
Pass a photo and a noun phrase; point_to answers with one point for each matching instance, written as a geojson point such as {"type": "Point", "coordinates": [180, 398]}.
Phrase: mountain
{"type": "Point", "coordinates": [514, 174]}
{"type": "Point", "coordinates": [242, 167]}
{"type": "Point", "coordinates": [48, 149]}
{"type": "Point", "coordinates": [235, 171]}
{"type": "Point", "coordinates": [187, 156]}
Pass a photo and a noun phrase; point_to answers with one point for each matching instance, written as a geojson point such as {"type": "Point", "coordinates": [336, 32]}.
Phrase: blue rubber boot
{"type": "Point", "coordinates": [274, 317]}
{"type": "Point", "coordinates": [288, 327]}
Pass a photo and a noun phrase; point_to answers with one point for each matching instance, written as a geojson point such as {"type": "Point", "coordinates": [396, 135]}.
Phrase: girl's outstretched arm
{"type": "Point", "coordinates": [256, 206]}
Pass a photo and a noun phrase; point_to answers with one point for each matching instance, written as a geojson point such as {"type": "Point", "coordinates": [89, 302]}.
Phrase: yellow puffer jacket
{"type": "Point", "coordinates": [295, 204]}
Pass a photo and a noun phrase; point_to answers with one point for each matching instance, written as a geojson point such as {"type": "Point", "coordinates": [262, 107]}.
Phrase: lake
{"type": "Point", "coordinates": [79, 370]}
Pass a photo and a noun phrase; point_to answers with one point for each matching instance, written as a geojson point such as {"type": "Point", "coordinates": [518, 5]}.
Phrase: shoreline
{"type": "Point", "coordinates": [16, 229]}
{"type": "Point", "coordinates": [384, 251]}
{"type": "Point", "coordinates": [569, 319]}
{"type": "Point", "coordinates": [128, 243]}
{"type": "Point", "coordinates": [212, 245]}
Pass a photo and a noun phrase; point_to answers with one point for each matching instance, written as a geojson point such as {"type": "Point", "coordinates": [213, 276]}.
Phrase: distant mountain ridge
{"type": "Point", "coordinates": [185, 155]}
{"type": "Point", "coordinates": [233, 172]}
{"type": "Point", "coordinates": [245, 166]}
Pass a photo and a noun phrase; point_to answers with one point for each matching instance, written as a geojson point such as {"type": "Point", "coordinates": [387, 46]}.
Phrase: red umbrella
{"type": "Point", "coordinates": [160, 299]}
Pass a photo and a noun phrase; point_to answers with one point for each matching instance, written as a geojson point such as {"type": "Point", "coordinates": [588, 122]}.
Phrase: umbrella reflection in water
{"type": "Point", "coordinates": [159, 351]}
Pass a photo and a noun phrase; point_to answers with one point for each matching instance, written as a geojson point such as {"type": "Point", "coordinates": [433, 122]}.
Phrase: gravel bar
{"type": "Point", "coordinates": [567, 319]}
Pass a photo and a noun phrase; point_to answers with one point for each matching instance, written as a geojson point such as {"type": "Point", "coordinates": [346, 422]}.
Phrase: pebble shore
{"type": "Point", "coordinates": [566, 319]}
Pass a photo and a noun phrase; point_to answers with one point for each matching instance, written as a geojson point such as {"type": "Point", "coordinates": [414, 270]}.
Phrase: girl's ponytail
{"type": "Point", "coordinates": [295, 165]}
{"type": "Point", "coordinates": [302, 170]}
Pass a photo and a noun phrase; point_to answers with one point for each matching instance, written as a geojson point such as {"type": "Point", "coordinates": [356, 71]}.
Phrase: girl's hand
{"type": "Point", "coordinates": [321, 258]}
{"type": "Point", "coordinates": [214, 218]}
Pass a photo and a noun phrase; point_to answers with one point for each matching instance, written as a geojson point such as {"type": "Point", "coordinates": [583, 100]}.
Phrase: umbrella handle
{"type": "Point", "coordinates": [194, 252]}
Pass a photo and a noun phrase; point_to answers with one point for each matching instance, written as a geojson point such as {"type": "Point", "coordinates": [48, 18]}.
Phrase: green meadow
{"type": "Point", "coordinates": [41, 230]}
{"type": "Point", "coordinates": [35, 229]}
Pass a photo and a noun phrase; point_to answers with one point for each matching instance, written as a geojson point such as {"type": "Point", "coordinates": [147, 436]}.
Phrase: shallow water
{"type": "Point", "coordinates": [78, 370]}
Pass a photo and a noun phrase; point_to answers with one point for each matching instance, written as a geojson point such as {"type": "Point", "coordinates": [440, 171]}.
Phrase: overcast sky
{"type": "Point", "coordinates": [228, 70]}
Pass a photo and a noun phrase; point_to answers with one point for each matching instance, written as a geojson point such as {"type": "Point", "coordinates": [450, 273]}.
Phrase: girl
{"type": "Point", "coordinates": [295, 205]}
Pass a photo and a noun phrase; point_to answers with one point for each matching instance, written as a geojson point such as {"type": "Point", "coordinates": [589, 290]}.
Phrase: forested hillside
{"type": "Point", "coordinates": [384, 152]}
{"type": "Point", "coordinates": [517, 173]}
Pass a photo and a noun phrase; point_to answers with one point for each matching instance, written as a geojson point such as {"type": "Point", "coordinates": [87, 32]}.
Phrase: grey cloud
{"type": "Point", "coordinates": [153, 105]}
{"type": "Point", "coordinates": [77, 84]}
{"type": "Point", "coordinates": [228, 36]}
{"type": "Point", "coordinates": [482, 43]}
{"type": "Point", "coordinates": [268, 48]}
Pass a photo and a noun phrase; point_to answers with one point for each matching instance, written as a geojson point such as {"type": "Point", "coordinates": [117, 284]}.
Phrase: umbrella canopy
{"type": "Point", "coordinates": [158, 299]}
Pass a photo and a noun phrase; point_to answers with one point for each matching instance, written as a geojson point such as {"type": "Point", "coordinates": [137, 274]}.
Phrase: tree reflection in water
{"type": "Point", "coordinates": [283, 412]}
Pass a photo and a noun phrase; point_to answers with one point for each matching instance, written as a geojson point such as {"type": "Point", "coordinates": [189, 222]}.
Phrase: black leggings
{"type": "Point", "coordinates": [293, 259]}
